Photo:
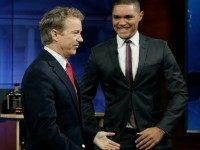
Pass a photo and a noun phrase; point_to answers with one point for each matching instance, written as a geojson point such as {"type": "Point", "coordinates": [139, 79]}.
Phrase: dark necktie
{"type": "Point", "coordinates": [128, 65]}
{"type": "Point", "coordinates": [129, 76]}
{"type": "Point", "coordinates": [70, 73]}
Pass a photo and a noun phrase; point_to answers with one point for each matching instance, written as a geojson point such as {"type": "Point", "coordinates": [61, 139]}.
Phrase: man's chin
{"type": "Point", "coordinates": [74, 52]}
{"type": "Point", "coordinates": [124, 36]}
{"type": "Point", "coordinates": [71, 53]}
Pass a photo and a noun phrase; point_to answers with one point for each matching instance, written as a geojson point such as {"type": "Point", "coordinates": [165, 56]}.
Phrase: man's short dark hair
{"type": "Point", "coordinates": [126, 2]}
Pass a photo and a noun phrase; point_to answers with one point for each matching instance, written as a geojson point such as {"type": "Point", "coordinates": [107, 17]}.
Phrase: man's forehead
{"type": "Point", "coordinates": [126, 8]}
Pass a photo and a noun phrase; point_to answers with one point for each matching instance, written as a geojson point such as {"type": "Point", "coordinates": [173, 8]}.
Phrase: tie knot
{"type": "Point", "coordinates": [67, 64]}
{"type": "Point", "coordinates": [127, 41]}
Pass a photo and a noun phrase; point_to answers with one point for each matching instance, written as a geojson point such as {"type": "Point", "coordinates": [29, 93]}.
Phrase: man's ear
{"type": "Point", "coordinates": [55, 34]}
{"type": "Point", "coordinates": [141, 15]}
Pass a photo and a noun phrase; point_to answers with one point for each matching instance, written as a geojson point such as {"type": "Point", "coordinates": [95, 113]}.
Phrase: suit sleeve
{"type": "Point", "coordinates": [177, 89]}
{"type": "Point", "coordinates": [88, 86]}
{"type": "Point", "coordinates": [40, 112]}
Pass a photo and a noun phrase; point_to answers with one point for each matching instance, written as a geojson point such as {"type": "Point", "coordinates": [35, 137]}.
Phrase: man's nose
{"type": "Point", "coordinates": [122, 21]}
{"type": "Point", "coordinates": [80, 39]}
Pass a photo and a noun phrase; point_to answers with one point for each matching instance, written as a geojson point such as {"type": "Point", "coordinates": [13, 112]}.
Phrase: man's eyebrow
{"type": "Point", "coordinates": [116, 16]}
{"type": "Point", "coordinates": [128, 16]}
{"type": "Point", "coordinates": [76, 30]}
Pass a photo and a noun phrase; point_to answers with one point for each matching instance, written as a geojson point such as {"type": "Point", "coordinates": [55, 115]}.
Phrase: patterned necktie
{"type": "Point", "coordinates": [70, 73]}
{"type": "Point", "coordinates": [129, 76]}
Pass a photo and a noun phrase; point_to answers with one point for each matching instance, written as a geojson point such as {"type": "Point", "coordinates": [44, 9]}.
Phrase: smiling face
{"type": "Point", "coordinates": [70, 38]}
{"type": "Point", "coordinates": [125, 19]}
{"type": "Point", "coordinates": [66, 42]}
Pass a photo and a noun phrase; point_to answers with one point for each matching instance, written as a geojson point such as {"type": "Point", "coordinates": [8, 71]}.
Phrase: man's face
{"type": "Point", "coordinates": [70, 38]}
{"type": "Point", "coordinates": [125, 19]}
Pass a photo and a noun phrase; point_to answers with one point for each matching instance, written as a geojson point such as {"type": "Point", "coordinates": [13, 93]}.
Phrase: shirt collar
{"type": "Point", "coordinates": [63, 61]}
{"type": "Point", "coordinates": [134, 39]}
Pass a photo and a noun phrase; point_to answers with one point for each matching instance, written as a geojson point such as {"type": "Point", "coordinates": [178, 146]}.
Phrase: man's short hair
{"type": "Point", "coordinates": [126, 2]}
{"type": "Point", "coordinates": [55, 19]}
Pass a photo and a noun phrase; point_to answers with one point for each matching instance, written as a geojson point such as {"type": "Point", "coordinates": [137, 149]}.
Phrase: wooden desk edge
{"type": "Point", "coordinates": [12, 116]}
{"type": "Point", "coordinates": [21, 116]}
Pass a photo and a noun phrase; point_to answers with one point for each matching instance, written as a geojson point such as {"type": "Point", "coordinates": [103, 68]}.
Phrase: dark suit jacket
{"type": "Point", "coordinates": [50, 104]}
{"type": "Point", "coordinates": [156, 62]}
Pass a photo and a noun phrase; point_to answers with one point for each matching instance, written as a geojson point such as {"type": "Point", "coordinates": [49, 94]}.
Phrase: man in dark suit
{"type": "Point", "coordinates": [50, 91]}
{"type": "Point", "coordinates": [130, 69]}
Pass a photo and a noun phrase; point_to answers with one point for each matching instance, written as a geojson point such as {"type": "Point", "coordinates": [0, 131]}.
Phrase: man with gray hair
{"type": "Point", "coordinates": [49, 89]}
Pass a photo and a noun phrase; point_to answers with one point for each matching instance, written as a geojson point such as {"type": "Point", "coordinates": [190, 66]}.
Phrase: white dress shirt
{"type": "Point", "coordinates": [62, 61]}
{"type": "Point", "coordinates": [134, 51]}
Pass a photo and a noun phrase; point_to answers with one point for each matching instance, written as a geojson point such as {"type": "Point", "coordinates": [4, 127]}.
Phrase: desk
{"type": "Point", "coordinates": [17, 118]}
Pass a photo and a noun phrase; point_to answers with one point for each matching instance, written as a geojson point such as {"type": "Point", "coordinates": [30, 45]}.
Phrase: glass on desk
{"type": "Point", "coordinates": [13, 99]}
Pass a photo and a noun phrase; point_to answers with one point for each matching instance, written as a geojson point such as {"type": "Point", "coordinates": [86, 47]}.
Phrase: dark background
{"type": "Point", "coordinates": [164, 19]}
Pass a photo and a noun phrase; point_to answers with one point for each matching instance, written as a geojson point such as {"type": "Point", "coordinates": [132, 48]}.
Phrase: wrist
{"type": "Point", "coordinates": [161, 130]}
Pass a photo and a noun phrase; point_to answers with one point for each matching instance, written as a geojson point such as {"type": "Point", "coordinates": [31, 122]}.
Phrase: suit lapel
{"type": "Point", "coordinates": [59, 71]}
{"type": "Point", "coordinates": [114, 57]}
{"type": "Point", "coordinates": [142, 56]}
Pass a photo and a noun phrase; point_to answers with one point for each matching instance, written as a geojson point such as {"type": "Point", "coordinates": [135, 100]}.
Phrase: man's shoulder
{"type": "Point", "coordinates": [39, 60]}
{"type": "Point", "coordinates": [105, 44]}
{"type": "Point", "coordinates": [152, 39]}
{"type": "Point", "coordinates": [38, 65]}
